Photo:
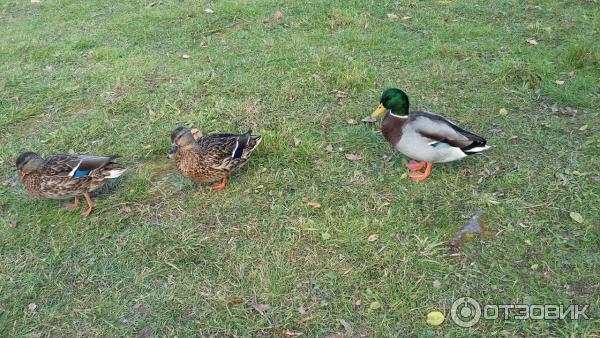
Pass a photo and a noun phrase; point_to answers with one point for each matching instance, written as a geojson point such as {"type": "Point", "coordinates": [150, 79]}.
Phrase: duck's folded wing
{"type": "Point", "coordinates": [438, 128]}
{"type": "Point", "coordinates": [75, 165]}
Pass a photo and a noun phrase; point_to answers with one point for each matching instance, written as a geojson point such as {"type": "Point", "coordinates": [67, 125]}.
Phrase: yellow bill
{"type": "Point", "coordinates": [378, 111]}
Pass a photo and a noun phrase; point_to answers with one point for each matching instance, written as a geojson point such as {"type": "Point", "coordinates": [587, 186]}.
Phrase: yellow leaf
{"type": "Point", "coordinates": [503, 111]}
{"type": "Point", "coordinates": [375, 306]}
{"type": "Point", "coordinates": [373, 238]}
{"type": "Point", "coordinates": [583, 128]}
{"type": "Point", "coordinates": [435, 318]}
{"type": "Point", "coordinates": [576, 216]}
{"type": "Point", "coordinates": [528, 242]}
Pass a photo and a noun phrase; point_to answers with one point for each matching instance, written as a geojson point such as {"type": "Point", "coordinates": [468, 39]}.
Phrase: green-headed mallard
{"type": "Point", "coordinates": [422, 135]}
{"type": "Point", "coordinates": [206, 158]}
{"type": "Point", "coordinates": [65, 176]}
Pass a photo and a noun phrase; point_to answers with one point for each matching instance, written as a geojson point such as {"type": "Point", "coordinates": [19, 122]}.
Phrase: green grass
{"type": "Point", "coordinates": [163, 257]}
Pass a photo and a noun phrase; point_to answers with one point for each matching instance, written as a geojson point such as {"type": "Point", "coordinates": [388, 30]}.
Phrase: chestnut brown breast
{"type": "Point", "coordinates": [391, 127]}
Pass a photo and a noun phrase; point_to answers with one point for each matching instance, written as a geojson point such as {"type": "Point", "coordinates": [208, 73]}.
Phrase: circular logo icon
{"type": "Point", "coordinates": [465, 312]}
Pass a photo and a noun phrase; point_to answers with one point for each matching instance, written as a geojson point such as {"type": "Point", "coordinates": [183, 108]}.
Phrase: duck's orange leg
{"type": "Point", "coordinates": [90, 204]}
{"type": "Point", "coordinates": [221, 185]}
{"type": "Point", "coordinates": [73, 205]}
{"type": "Point", "coordinates": [414, 165]}
{"type": "Point", "coordinates": [418, 176]}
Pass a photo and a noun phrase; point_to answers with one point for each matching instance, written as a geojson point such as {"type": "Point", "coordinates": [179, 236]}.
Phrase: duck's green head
{"type": "Point", "coordinates": [394, 99]}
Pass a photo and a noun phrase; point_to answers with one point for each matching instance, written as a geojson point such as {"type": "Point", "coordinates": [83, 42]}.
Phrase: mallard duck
{"type": "Point", "coordinates": [207, 158]}
{"type": "Point", "coordinates": [422, 135]}
{"type": "Point", "coordinates": [65, 176]}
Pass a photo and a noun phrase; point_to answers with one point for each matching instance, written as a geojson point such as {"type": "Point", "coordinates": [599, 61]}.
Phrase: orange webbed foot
{"type": "Point", "coordinates": [414, 165]}
{"type": "Point", "coordinates": [90, 204]}
{"type": "Point", "coordinates": [74, 205]}
{"type": "Point", "coordinates": [220, 186]}
{"type": "Point", "coordinates": [418, 176]}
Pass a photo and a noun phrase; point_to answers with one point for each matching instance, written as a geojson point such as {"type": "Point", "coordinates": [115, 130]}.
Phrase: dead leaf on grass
{"type": "Point", "coordinates": [291, 333]}
{"type": "Point", "coordinates": [351, 122]}
{"type": "Point", "coordinates": [340, 94]}
{"type": "Point", "coordinates": [373, 238]}
{"type": "Point", "coordinates": [346, 325]}
{"type": "Point", "coordinates": [313, 205]}
{"type": "Point", "coordinates": [560, 82]}
{"type": "Point", "coordinates": [369, 119]}
{"type": "Point", "coordinates": [473, 226]}
{"type": "Point", "coordinates": [352, 157]}
{"type": "Point", "coordinates": [391, 16]}
{"type": "Point", "coordinates": [329, 148]}
{"type": "Point", "coordinates": [208, 10]}
{"type": "Point", "coordinates": [263, 307]}
{"type": "Point", "coordinates": [435, 318]}
{"type": "Point", "coordinates": [532, 41]}
{"type": "Point", "coordinates": [32, 307]}
{"type": "Point", "coordinates": [13, 224]}
{"type": "Point", "coordinates": [153, 4]}
{"type": "Point", "coordinates": [296, 142]}
{"type": "Point", "coordinates": [278, 16]}
{"type": "Point", "coordinates": [576, 216]}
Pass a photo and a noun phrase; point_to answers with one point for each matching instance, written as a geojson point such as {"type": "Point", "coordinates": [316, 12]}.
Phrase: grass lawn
{"type": "Point", "coordinates": [161, 256]}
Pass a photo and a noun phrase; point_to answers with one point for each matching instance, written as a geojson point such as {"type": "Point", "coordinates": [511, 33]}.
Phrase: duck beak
{"type": "Point", "coordinates": [172, 151]}
{"type": "Point", "coordinates": [378, 111]}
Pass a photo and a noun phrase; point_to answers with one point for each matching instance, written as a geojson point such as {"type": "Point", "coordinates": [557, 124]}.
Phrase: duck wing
{"type": "Point", "coordinates": [75, 165]}
{"type": "Point", "coordinates": [440, 129]}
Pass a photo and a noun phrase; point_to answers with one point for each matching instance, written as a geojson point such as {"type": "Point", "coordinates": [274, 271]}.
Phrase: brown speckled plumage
{"type": "Point", "coordinates": [211, 157]}
{"type": "Point", "coordinates": [65, 176]}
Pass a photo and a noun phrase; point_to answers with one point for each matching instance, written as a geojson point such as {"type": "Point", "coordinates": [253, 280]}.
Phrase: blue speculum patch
{"type": "Point", "coordinates": [81, 173]}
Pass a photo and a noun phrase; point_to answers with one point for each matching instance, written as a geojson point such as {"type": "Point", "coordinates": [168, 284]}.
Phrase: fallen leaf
{"type": "Point", "coordinates": [436, 284]}
{"type": "Point", "coordinates": [263, 307]}
{"type": "Point", "coordinates": [305, 319]}
{"type": "Point", "coordinates": [528, 242]}
{"type": "Point", "coordinates": [369, 119]}
{"type": "Point", "coordinates": [325, 236]}
{"type": "Point", "coordinates": [473, 226]}
{"type": "Point", "coordinates": [576, 173]}
{"type": "Point", "coordinates": [185, 56]}
{"type": "Point", "coordinates": [357, 302]}
{"type": "Point", "coordinates": [576, 216]}
{"type": "Point", "coordinates": [302, 310]}
{"type": "Point", "coordinates": [32, 307]}
{"type": "Point", "coordinates": [583, 128]}
{"type": "Point", "coordinates": [435, 318]}
{"type": "Point", "coordinates": [375, 306]}
{"type": "Point", "coordinates": [203, 44]}
{"type": "Point", "coordinates": [534, 267]}
{"type": "Point", "coordinates": [154, 3]}
{"type": "Point", "coordinates": [503, 111]}
{"type": "Point", "coordinates": [353, 157]}
{"type": "Point", "coordinates": [291, 334]}
{"type": "Point", "coordinates": [560, 82]}
{"type": "Point", "coordinates": [208, 10]}
{"type": "Point", "coordinates": [406, 17]}
{"type": "Point", "coordinates": [345, 324]}
{"type": "Point", "coordinates": [532, 41]}
{"type": "Point", "coordinates": [329, 148]}
{"type": "Point", "coordinates": [35, 1]}
{"type": "Point", "coordinates": [278, 16]}
{"type": "Point", "coordinates": [13, 224]}
{"type": "Point", "coordinates": [351, 122]}
{"type": "Point", "coordinates": [340, 94]}
{"type": "Point", "coordinates": [234, 301]}
{"type": "Point", "coordinates": [313, 205]}
{"type": "Point", "coordinates": [296, 142]}
{"type": "Point", "coordinates": [571, 74]}
{"type": "Point", "coordinates": [392, 16]}
{"type": "Point", "coordinates": [373, 238]}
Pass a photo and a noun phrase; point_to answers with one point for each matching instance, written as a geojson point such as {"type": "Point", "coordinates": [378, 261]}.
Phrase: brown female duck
{"type": "Point", "coordinates": [65, 176]}
{"type": "Point", "coordinates": [207, 158]}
